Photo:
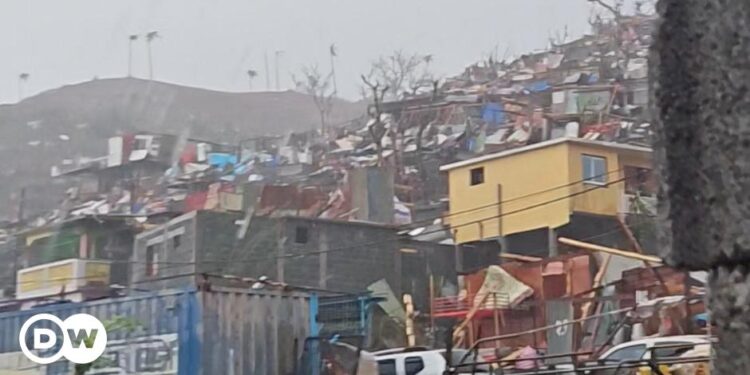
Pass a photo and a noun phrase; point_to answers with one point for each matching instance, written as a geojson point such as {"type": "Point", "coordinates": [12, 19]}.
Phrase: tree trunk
{"type": "Point", "coordinates": [700, 77]}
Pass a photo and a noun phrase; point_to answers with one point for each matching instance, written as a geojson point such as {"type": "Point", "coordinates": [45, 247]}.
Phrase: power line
{"type": "Point", "coordinates": [96, 277]}
{"type": "Point", "coordinates": [533, 206]}
{"type": "Point", "coordinates": [351, 247]}
{"type": "Point", "coordinates": [344, 248]}
{"type": "Point", "coordinates": [490, 205]}
{"type": "Point", "coordinates": [173, 265]}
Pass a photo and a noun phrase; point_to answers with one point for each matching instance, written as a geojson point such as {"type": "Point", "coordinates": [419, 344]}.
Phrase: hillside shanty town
{"type": "Point", "coordinates": [498, 220]}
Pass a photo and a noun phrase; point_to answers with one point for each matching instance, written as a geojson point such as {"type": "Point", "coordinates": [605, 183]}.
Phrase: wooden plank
{"type": "Point", "coordinates": [585, 309]}
{"type": "Point", "coordinates": [518, 257]}
{"type": "Point", "coordinates": [609, 250]}
{"type": "Point", "coordinates": [469, 317]}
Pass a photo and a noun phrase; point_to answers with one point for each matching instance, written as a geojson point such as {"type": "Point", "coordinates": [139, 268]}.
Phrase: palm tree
{"type": "Point", "coordinates": [150, 38]}
{"type": "Point", "coordinates": [250, 75]}
{"type": "Point", "coordinates": [22, 79]}
{"type": "Point", "coordinates": [131, 39]}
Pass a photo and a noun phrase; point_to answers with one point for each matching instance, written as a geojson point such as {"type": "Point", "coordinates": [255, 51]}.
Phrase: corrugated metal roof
{"type": "Point", "coordinates": [541, 145]}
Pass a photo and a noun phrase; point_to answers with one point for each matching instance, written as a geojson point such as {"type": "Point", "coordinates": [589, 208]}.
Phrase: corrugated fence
{"type": "Point", "coordinates": [224, 331]}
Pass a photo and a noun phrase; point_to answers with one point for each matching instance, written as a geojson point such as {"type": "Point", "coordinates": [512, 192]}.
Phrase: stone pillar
{"type": "Point", "coordinates": [700, 72]}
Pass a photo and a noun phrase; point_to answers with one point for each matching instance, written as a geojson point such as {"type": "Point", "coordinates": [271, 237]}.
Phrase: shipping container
{"type": "Point", "coordinates": [222, 331]}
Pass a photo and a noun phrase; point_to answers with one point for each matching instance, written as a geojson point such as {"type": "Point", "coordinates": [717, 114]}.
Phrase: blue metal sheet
{"type": "Point", "coordinates": [225, 331]}
{"type": "Point", "coordinates": [165, 338]}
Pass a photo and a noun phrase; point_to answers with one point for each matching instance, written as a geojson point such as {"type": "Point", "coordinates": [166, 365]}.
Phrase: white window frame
{"type": "Point", "coordinates": [593, 180]}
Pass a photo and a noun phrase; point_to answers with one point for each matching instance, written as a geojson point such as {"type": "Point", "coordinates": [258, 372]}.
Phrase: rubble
{"type": "Point", "coordinates": [267, 194]}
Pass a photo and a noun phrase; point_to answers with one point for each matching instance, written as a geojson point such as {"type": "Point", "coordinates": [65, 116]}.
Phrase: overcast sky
{"type": "Point", "coordinates": [212, 43]}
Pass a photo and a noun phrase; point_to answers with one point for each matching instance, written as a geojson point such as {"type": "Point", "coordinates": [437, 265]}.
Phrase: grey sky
{"type": "Point", "coordinates": [212, 43]}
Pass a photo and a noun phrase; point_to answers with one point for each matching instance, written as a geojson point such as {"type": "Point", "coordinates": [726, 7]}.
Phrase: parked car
{"type": "Point", "coordinates": [422, 361]}
{"type": "Point", "coordinates": [644, 349]}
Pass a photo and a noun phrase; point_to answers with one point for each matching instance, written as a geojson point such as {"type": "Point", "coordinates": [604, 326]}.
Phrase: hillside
{"type": "Point", "coordinates": [76, 120]}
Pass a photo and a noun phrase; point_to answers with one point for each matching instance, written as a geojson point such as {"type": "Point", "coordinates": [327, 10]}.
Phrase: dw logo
{"type": "Point", "coordinates": [83, 338]}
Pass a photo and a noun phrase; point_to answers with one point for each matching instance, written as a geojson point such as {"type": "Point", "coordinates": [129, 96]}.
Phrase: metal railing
{"type": "Point", "coordinates": [653, 362]}
{"type": "Point", "coordinates": [456, 304]}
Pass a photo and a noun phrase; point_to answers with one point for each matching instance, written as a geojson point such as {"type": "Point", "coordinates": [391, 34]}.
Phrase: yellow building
{"type": "Point", "coordinates": [541, 186]}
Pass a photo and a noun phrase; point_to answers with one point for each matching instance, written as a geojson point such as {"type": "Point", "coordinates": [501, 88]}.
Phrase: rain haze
{"type": "Point", "coordinates": [375, 187]}
{"type": "Point", "coordinates": [213, 44]}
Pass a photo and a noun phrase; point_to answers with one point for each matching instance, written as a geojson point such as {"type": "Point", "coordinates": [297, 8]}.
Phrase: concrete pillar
{"type": "Point", "coordinates": [552, 242]}
{"type": "Point", "coordinates": [700, 72]}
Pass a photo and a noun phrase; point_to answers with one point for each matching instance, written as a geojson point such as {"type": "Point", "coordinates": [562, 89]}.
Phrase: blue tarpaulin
{"type": "Point", "coordinates": [220, 160]}
{"type": "Point", "coordinates": [538, 86]}
{"type": "Point", "coordinates": [492, 113]}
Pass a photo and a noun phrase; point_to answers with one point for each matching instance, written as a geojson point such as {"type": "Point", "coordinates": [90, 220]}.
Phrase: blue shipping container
{"type": "Point", "coordinates": [224, 331]}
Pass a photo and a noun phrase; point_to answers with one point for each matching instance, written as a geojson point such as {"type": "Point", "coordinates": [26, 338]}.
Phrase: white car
{"type": "Point", "coordinates": [642, 350]}
{"type": "Point", "coordinates": [420, 361]}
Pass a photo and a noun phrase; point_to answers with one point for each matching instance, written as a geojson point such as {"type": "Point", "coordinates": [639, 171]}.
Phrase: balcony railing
{"type": "Point", "coordinates": [458, 306]}
{"type": "Point", "coordinates": [68, 276]}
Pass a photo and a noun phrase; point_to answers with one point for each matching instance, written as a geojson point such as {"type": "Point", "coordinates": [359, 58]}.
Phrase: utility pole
{"type": "Point", "coordinates": [277, 54]}
{"type": "Point", "coordinates": [131, 39]}
{"type": "Point", "coordinates": [268, 73]}
{"type": "Point", "coordinates": [333, 54]}
{"type": "Point", "coordinates": [149, 38]}
{"type": "Point", "coordinates": [21, 205]}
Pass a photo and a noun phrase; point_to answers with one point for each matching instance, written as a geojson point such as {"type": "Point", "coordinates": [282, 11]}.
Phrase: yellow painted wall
{"type": "Point", "coordinates": [60, 275]}
{"type": "Point", "coordinates": [598, 200]}
{"type": "Point", "coordinates": [32, 280]}
{"type": "Point", "coordinates": [41, 278]}
{"type": "Point", "coordinates": [97, 272]}
{"type": "Point", "coordinates": [602, 200]}
{"type": "Point", "coordinates": [519, 176]}
{"type": "Point", "coordinates": [545, 178]}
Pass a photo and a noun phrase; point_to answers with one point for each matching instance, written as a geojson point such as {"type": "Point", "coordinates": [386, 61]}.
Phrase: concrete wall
{"type": "Point", "coordinates": [345, 256]}
{"type": "Point", "coordinates": [174, 244]}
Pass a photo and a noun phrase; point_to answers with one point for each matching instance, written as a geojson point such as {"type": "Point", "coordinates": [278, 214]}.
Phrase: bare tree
{"type": "Point", "coordinates": [422, 126]}
{"type": "Point", "coordinates": [622, 57]}
{"type": "Point", "coordinates": [401, 72]}
{"type": "Point", "coordinates": [559, 38]}
{"type": "Point", "coordinates": [320, 88]}
{"type": "Point", "coordinates": [376, 127]}
{"type": "Point", "coordinates": [614, 8]}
